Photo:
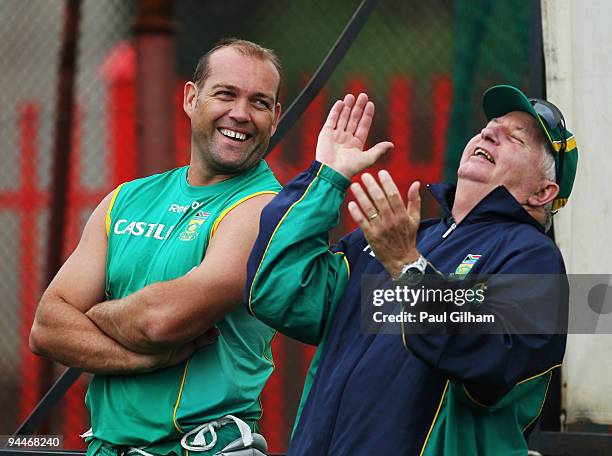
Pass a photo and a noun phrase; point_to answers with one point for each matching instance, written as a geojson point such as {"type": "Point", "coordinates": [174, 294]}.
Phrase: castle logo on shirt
{"type": "Point", "coordinates": [157, 231]}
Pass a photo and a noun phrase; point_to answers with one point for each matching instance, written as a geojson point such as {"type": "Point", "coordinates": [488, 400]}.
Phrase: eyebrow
{"type": "Point", "coordinates": [513, 127]}
{"type": "Point", "coordinates": [236, 89]}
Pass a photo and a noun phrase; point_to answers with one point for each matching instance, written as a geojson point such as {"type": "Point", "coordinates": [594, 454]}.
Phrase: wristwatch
{"type": "Point", "coordinates": [412, 273]}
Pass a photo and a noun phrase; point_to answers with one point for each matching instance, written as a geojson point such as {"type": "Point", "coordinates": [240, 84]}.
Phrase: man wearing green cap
{"type": "Point", "coordinates": [416, 392]}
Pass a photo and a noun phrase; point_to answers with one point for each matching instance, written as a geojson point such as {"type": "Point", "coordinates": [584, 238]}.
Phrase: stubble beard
{"type": "Point", "coordinates": [212, 156]}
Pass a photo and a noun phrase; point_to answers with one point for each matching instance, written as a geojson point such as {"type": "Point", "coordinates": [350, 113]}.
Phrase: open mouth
{"type": "Point", "coordinates": [233, 134]}
{"type": "Point", "coordinates": [484, 153]}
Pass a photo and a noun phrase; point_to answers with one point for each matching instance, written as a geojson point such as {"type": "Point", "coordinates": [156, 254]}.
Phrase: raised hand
{"type": "Point", "coordinates": [389, 227]}
{"type": "Point", "coordinates": [343, 137]}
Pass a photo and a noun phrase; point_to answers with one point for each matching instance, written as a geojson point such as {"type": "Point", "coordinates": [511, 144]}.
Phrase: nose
{"type": "Point", "coordinates": [490, 132]}
{"type": "Point", "coordinates": [240, 111]}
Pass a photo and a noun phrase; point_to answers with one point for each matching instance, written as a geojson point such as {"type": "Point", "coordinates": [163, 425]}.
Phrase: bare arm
{"type": "Point", "coordinates": [63, 332]}
{"type": "Point", "coordinates": [170, 314]}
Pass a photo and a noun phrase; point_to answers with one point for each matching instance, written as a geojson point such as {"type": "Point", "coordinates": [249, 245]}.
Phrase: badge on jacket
{"type": "Point", "coordinates": [466, 265]}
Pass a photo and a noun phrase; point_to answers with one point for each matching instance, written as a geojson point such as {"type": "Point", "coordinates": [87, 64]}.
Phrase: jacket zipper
{"type": "Point", "coordinates": [450, 230]}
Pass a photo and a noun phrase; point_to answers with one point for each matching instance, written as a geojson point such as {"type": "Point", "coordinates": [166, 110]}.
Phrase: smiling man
{"type": "Point", "coordinates": [419, 393]}
{"type": "Point", "coordinates": [150, 299]}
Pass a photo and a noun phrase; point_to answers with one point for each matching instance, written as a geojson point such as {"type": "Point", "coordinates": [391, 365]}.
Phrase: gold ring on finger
{"type": "Point", "coordinates": [373, 216]}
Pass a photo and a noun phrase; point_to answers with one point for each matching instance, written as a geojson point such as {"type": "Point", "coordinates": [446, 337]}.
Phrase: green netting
{"type": "Point", "coordinates": [491, 46]}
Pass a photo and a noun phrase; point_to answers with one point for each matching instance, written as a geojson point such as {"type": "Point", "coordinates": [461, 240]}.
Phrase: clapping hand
{"type": "Point", "coordinates": [389, 226]}
{"type": "Point", "coordinates": [342, 139]}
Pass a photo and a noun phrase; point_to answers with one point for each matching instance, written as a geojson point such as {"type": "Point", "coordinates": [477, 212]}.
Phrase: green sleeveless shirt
{"type": "Point", "coordinates": [158, 229]}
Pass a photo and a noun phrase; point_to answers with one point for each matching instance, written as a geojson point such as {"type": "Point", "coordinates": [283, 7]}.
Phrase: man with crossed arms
{"type": "Point", "coordinates": [161, 260]}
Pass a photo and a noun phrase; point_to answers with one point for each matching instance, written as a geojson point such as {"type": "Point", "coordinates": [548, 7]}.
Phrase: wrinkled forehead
{"type": "Point", "coordinates": [521, 122]}
{"type": "Point", "coordinates": [232, 66]}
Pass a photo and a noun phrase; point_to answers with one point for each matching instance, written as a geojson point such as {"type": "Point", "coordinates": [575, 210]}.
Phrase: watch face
{"type": "Point", "coordinates": [411, 276]}
{"type": "Point", "coordinates": [414, 271]}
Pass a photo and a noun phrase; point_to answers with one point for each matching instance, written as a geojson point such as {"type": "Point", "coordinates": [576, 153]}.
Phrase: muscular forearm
{"type": "Point", "coordinates": [64, 334]}
{"type": "Point", "coordinates": [169, 314]}
{"type": "Point", "coordinates": [124, 320]}
{"type": "Point", "coordinates": [147, 322]}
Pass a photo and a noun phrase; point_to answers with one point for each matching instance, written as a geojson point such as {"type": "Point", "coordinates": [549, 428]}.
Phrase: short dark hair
{"type": "Point", "coordinates": [244, 47]}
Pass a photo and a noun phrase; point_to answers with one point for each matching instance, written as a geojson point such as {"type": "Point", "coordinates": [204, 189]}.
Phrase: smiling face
{"type": "Point", "coordinates": [233, 114]}
{"type": "Point", "coordinates": [508, 152]}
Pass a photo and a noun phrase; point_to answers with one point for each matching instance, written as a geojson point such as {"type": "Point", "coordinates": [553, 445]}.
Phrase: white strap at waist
{"type": "Point", "coordinates": [199, 441]}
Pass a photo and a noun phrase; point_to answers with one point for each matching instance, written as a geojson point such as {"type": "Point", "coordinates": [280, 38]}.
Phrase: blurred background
{"type": "Point", "coordinates": [425, 64]}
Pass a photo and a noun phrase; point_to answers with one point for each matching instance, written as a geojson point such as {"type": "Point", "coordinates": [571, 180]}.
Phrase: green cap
{"type": "Point", "coordinates": [502, 99]}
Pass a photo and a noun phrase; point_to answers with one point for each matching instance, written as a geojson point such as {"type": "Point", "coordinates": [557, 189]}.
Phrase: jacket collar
{"type": "Point", "coordinates": [499, 204]}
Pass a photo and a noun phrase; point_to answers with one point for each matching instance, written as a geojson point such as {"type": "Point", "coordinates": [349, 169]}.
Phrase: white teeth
{"type": "Point", "coordinates": [233, 134]}
{"type": "Point", "coordinates": [484, 153]}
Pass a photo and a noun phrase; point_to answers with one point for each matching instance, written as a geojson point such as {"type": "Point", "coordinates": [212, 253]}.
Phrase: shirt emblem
{"type": "Point", "coordinates": [193, 227]}
{"type": "Point", "coordinates": [467, 264]}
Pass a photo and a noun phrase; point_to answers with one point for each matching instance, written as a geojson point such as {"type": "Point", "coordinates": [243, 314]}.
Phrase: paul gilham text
{"type": "Point", "coordinates": [426, 317]}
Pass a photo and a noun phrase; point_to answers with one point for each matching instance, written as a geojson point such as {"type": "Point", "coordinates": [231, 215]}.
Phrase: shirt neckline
{"type": "Point", "coordinates": [200, 191]}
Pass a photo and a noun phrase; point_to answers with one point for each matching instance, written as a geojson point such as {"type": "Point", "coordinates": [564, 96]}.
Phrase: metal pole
{"type": "Point", "coordinates": [62, 144]}
{"type": "Point", "coordinates": [155, 85]}
{"type": "Point", "coordinates": [46, 404]}
{"type": "Point", "coordinates": [550, 417]}
{"type": "Point", "coordinates": [64, 114]}
{"type": "Point", "coordinates": [537, 76]}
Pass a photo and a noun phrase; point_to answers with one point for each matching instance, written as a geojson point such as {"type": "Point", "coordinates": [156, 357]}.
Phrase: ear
{"type": "Point", "coordinates": [277, 113]}
{"type": "Point", "coordinates": [547, 192]}
{"type": "Point", "coordinates": [190, 96]}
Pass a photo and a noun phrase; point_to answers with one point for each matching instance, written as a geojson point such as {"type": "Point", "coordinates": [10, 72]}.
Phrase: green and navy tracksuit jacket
{"type": "Point", "coordinates": [386, 394]}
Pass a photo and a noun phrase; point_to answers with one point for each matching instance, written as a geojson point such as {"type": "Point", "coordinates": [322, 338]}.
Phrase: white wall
{"type": "Point", "coordinates": [578, 53]}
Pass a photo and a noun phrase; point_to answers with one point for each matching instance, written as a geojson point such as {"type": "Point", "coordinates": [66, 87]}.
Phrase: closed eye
{"type": "Point", "coordinates": [517, 139]}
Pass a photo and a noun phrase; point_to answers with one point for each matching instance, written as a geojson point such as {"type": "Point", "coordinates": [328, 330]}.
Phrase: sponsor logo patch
{"type": "Point", "coordinates": [179, 208]}
{"type": "Point", "coordinates": [148, 230]}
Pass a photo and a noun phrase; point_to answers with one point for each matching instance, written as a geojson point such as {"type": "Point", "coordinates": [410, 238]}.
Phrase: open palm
{"type": "Point", "coordinates": [342, 138]}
